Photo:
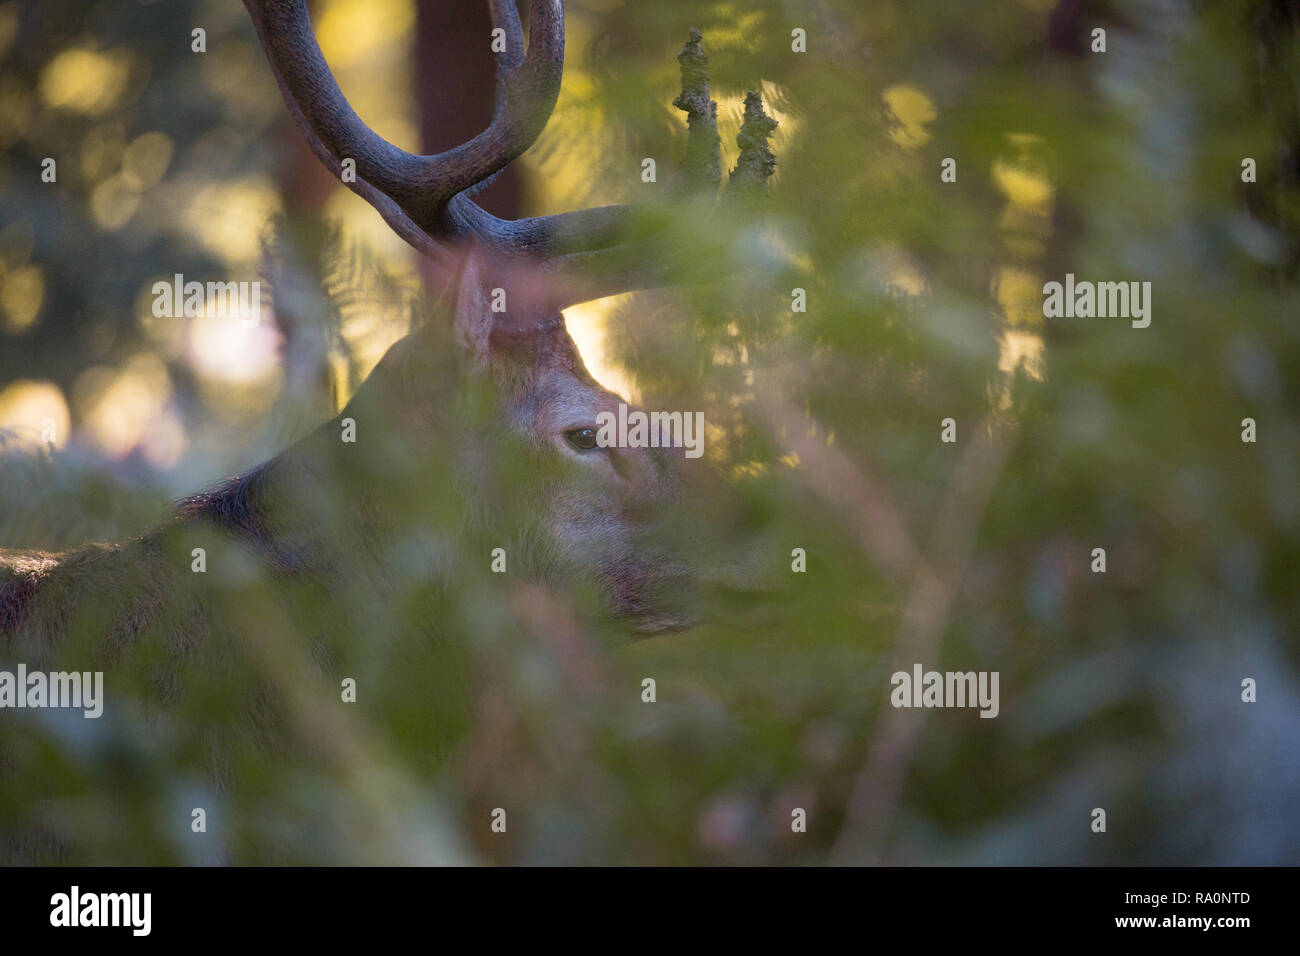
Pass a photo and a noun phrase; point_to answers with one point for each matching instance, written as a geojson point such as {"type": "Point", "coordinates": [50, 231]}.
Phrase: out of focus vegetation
{"type": "Point", "coordinates": [1119, 690]}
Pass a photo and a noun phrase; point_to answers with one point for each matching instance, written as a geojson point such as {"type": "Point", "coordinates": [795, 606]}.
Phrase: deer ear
{"type": "Point", "coordinates": [473, 317]}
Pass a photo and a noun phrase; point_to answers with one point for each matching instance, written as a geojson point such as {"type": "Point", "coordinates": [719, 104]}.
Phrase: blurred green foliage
{"type": "Point", "coordinates": [1119, 690]}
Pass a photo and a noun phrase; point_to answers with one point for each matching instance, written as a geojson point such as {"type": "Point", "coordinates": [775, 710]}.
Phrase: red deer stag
{"type": "Point", "coordinates": [591, 509]}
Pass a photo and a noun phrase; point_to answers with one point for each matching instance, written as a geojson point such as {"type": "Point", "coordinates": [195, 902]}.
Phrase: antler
{"type": "Point", "coordinates": [426, 199]}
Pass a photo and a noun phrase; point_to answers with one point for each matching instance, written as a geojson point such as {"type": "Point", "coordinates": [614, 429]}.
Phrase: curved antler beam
{"type": "Point", "coordinates": [420, 186]}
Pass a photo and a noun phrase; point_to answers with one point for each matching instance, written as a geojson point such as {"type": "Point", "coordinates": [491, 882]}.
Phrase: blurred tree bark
{"type": "Point", "coordinates": [455, 76]}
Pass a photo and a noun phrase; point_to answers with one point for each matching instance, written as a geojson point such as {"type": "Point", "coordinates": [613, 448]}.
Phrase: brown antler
{"type": "Point", "coordinates": [426, 199]}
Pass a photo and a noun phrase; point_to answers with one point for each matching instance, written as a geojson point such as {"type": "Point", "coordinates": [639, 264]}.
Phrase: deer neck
{"type": "Point", "coordinates": [325, 500]}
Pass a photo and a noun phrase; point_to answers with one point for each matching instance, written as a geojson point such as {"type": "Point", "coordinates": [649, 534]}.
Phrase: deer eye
{"type": "Point", "coordinates": [583, 439]}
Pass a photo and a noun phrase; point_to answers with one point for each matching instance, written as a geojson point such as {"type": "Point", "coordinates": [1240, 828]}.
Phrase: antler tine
{"type": "Point", "coordinates": [572, 238]}
{"type": "Point", "coordinates": [506, 16]}
{"type": "Point", "coordinates": [527, 88]}
{"type": "Point", "coordinates": [644, 264]}
{"type": "Point", "coordinates": [620, 265]}
{"type": "Point", "coordinates": [756, 163]}
{"type": "Point", "coordinates": [701, 165]}
{"type": "Point", "coordinates": [700, 170]}
{"type": "Point", "coordinates": [419, 187]}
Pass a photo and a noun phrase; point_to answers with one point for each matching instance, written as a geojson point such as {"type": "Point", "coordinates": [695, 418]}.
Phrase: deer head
{"type": "Point", "coordinates": [599, 516]}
